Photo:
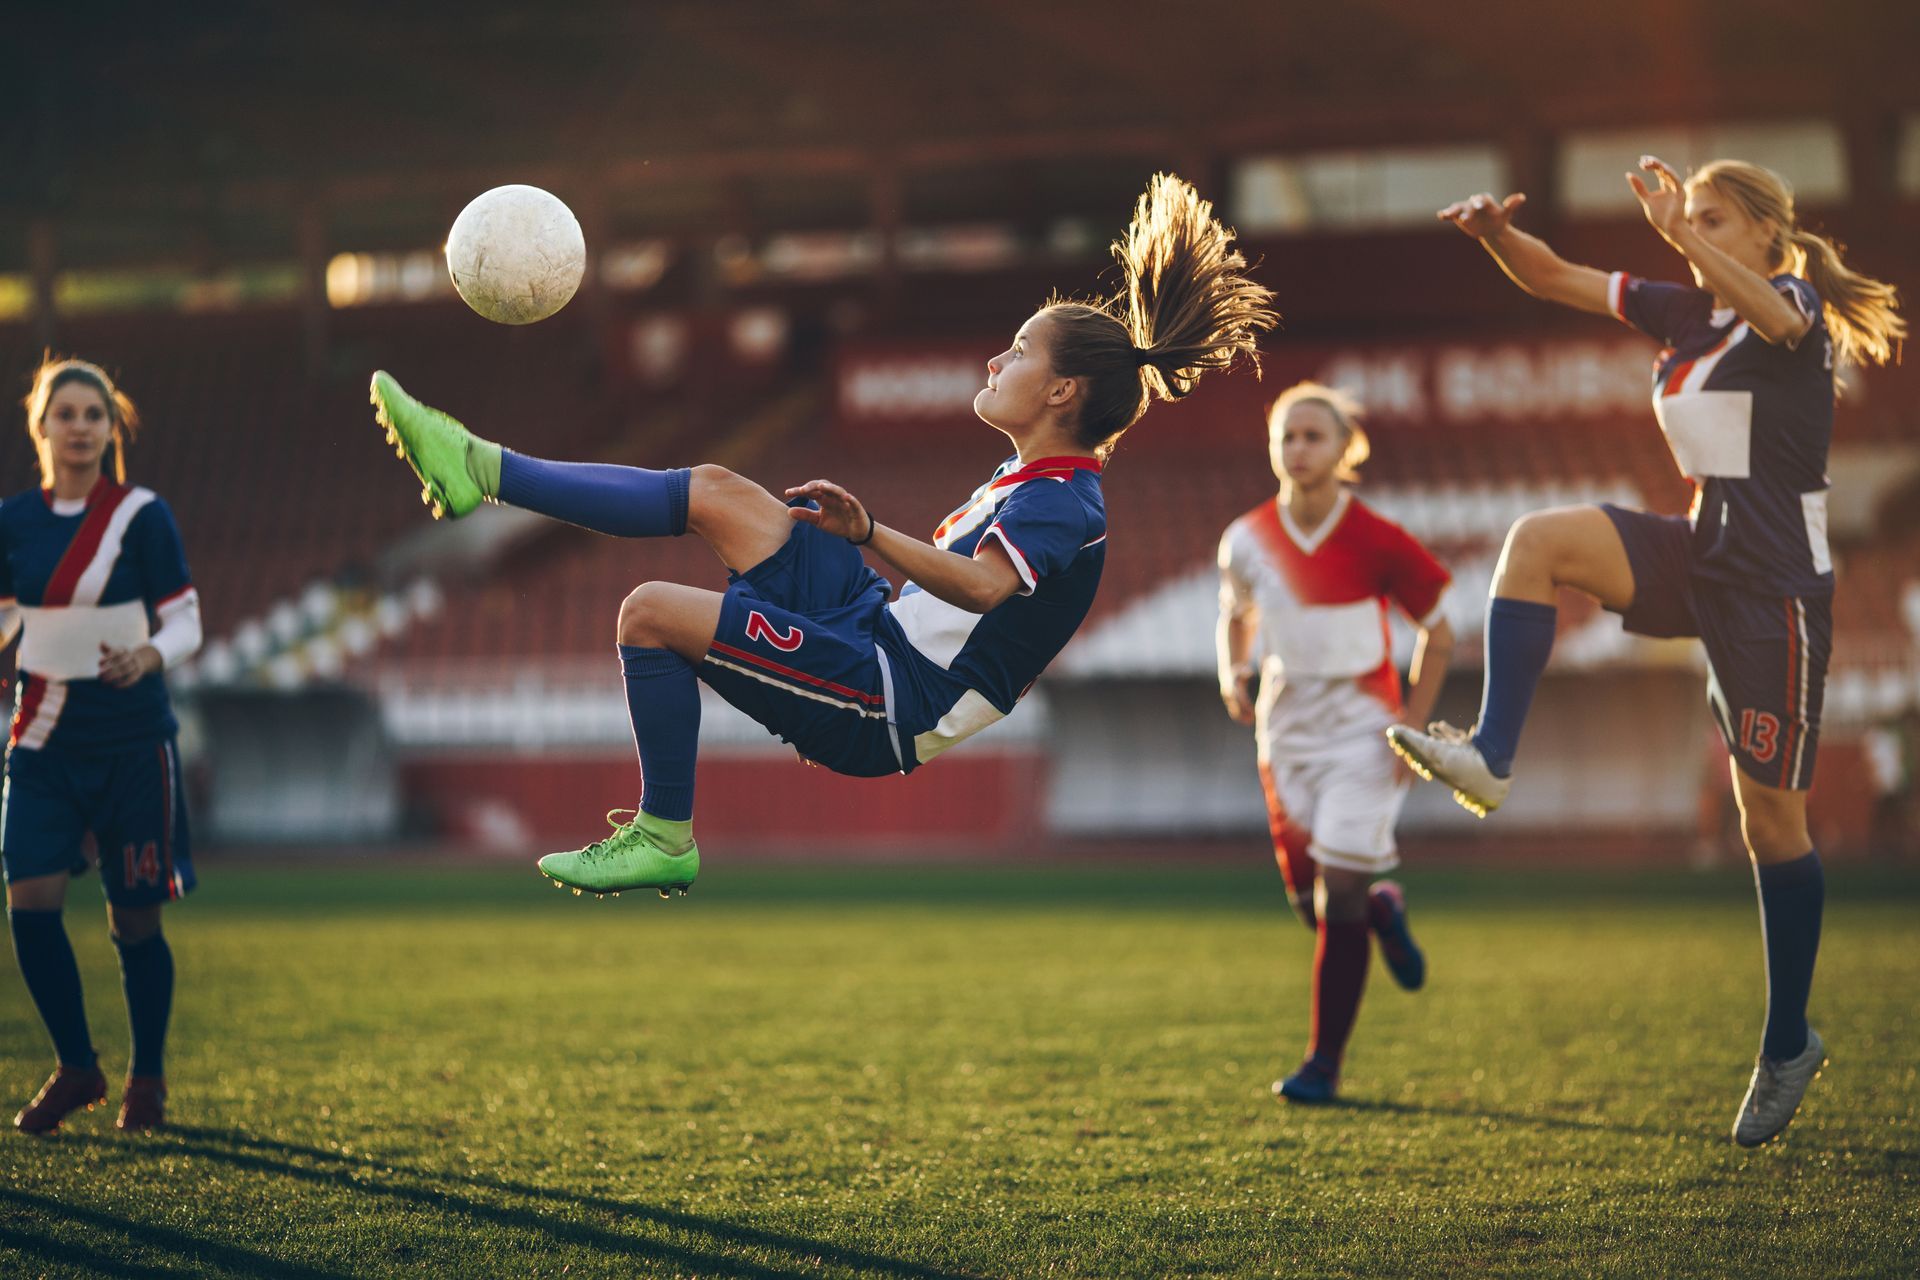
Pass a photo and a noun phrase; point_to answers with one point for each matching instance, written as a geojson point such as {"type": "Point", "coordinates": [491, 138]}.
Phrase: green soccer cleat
{"type": "Point", "coordinates": [633, 857]}
{"type": "Point", "coordinates": [454, 465]}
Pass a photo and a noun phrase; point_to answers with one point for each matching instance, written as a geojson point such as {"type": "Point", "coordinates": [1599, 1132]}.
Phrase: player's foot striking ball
{"type": "Point", "coordinates": [645, 853]}
{"type": "Point", "coordinates": [806, 638]}
{"type": "Point", "coordinates": [1776, 1090]}
{"type": "Point", "coordinates": [67, 1090]}
{"type": "Point", "coordinates": [456, 468]}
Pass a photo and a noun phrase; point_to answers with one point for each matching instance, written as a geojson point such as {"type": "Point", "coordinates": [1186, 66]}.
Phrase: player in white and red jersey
{"type": "Point", "coordinates": [93, 578]}
{"type": "Point", "coordinates": [1305, 582]}
{"type": "Point", "coordinates": [1744, 392]}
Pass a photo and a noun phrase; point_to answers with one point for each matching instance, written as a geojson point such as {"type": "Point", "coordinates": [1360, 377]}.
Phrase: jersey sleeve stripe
{"type": "Point", "coordinates": [1617, 295]}
{"type": "Point", "coordinates": [1020, 565]}
{"type": "Point", "coordinates": [177, 596]}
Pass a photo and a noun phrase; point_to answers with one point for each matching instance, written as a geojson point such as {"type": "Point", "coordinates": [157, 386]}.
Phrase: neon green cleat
{"type": "Point", "coordinates": [453, 464]}
{"type": "Point", "coordinates": [633, 857]}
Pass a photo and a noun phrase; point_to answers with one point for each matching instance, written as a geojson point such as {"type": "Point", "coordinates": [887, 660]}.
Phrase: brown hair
{"type": "Point", "coordinates": [1186, 306]}
{"type": "Point", "coordinates": [55, 373]}
{"type": "Point", "coordinates": [1346, 412]}
{"type": "Point", "coordinates": [1861, 312]}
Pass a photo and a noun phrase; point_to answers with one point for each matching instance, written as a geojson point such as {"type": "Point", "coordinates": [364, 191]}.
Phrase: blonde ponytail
{"type": "Point", "coordinates": [1861, 312]}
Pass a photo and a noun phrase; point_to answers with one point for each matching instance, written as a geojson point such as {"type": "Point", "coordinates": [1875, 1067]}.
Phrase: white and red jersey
{"type": "Point", "coordinates": [1326, 661]}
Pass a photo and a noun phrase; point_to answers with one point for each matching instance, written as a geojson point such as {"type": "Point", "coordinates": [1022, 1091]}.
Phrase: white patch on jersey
{"type": "Point", "coordinates": [1813, 509]}
{"type": "Point", "coordinates": [937, 629]}
{"type": "Point", "coordinates": [964, 719]}
{"type": "Point", "coordinates": [45, 716]}
{"type": "Point", "coordinates": [93, 579]}
{"type": "Point", "coordinates": [64, 643]}
{"type": "Point", "coordinates": [1710, 432]}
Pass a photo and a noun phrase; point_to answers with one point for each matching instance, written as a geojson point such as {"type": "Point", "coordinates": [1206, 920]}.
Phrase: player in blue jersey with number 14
{"type": "Point", "coordinates": [93, 577]}
{"type": "Point", "coordinates": [804, 638]}
{"type": "Point", "coordinates": [1744, 392]}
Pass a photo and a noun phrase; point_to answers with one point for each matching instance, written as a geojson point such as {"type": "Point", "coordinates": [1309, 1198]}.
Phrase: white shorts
{"type": "Point", "coordinates": [1347, 797]}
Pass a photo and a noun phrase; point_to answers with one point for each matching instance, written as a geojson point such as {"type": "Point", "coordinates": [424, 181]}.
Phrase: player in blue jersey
{"type": "Point", "coordinates": [94, 581]}
{"type": "Point", "coordinates": [1744, 392]}
{"type": "Point", "coordinates": [804, 638]}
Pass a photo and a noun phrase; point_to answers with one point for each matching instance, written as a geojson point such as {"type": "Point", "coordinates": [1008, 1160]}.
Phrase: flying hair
{"type": "Point", "coordinates": [1185, 306]}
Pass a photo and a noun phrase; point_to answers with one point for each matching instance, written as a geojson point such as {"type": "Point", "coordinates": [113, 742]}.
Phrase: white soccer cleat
{"type": "Point", "coordinates": [1447, 755]}
{"type": "Point", "coordinates": [1776, 1090]}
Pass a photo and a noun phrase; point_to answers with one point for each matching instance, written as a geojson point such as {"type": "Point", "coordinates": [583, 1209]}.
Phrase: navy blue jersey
{"type": "Point", "coordinates": [1749, 423]}
{"type": "Point", "coordinates": [956, 672]}
{"type": "Point", "coordinates": [95, 574]}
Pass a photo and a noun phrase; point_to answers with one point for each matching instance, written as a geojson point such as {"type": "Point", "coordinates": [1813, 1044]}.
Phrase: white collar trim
{"type": "Point", "coordinates": [1311, 543]}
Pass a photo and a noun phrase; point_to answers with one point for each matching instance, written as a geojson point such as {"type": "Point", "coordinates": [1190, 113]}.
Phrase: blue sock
{"type": "Point", "coordinates": [663, 699]}
{"type": "Point", "coordinates": [1519, 641]}
{"type": "Point", "coordinates": [53, 979]}
{"type": "Point", "coordinates": [1791, 897]}
{"type": "Point", "coordinates": [146, 975]}
{"type": "Point", "coordinates": [627, 502]}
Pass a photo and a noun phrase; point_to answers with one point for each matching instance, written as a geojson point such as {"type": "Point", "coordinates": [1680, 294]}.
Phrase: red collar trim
{"type": "Point", "coordinates": [1049, 467]}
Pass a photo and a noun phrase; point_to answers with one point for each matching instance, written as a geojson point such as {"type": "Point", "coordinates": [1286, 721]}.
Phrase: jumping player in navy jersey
{"type": "Point", "coordinates": [1744, 392]}
{"type": "Point", "coordinates": [804, 638]}
{"type": "Point", "coordinates": [93, 578]}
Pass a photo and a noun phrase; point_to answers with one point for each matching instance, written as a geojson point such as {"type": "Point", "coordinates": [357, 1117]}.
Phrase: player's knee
{"type": "Point", "coordinates": [639, 614]}
{"type": "Point", "coordinates": [1531, 541]}
{"type": "Point", "coordinates": [1341, 895]}
{"type": "Point", "coordinates": [1774, 831]}
{"type": "Point", "coordinates": [713, 488]}
{"type": "Point", "coordinates": [132, 925]}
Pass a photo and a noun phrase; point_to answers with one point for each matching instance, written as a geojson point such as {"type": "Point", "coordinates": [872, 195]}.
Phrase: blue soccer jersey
{"type": "Point", "coordinates": [954, 672]}
{"type": "Point", "coordinates": [83, 574]}
{"type": "Point", "coordinates": [1749, 423]}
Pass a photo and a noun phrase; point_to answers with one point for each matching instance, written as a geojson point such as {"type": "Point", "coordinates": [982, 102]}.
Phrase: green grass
{"type": "Point", "coordinates": [1064, 1071]}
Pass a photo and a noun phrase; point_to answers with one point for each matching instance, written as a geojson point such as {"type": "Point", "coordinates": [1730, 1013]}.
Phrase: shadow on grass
{"type": "Point", "coordinates": [1471, 1111]}
{"type": "Point", "coordinates": [430, 1189]}
{"type": "Point", "coordinates": [198, 1252]}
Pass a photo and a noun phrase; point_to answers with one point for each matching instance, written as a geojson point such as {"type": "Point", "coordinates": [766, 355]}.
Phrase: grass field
{"type": "Point", "coordinates": [1063, 1071]}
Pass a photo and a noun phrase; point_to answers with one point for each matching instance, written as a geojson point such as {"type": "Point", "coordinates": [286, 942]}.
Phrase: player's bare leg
{"type": "Point", "coordinates": [1791, 889]}
{"type": "Point", "coordinates": [1573, 547]}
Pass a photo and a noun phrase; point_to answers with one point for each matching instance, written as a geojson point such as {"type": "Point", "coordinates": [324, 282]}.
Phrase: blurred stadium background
{"type": "Point", "coordinates": [809, 224]}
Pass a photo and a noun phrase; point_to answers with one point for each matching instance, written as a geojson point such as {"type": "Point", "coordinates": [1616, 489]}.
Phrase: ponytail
{"type": "Point", "coordinates": [1185, 306]}
{"type": "Point", "coordinates": [1861, 311]}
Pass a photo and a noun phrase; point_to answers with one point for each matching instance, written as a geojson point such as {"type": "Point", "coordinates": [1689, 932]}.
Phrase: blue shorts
{"type": "Point", "coordinates": [132, 801]}
{"type": "Point", "coordinates": [795, 650]}
{"type": "Point", "coordinates": [1766, 654]}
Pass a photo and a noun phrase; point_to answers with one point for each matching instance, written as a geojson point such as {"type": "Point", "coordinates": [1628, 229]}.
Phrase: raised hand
{"type": "Point", "coordinates": [1665, 203]}
{"type": "Point", "coordinates": [1482, 216]}
{"type": "Point", "coordinates": [840, 512]}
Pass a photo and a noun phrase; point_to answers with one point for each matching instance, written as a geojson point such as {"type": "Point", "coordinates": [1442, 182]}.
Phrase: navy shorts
{"type": "Point", "coordinates": [132, 801]}
{"type": "Point", "coordinates": [1766, 655]}
{"type": "Point", "coordinates": [795, 650]}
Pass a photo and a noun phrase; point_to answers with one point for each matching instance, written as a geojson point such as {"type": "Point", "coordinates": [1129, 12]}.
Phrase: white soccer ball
{"type": "Point", "coordinates": [516, 254]}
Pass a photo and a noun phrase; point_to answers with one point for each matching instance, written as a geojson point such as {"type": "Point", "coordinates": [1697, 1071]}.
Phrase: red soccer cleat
{"type": "Point", "coordinates": [67, 1090]}
{"type": "Point", "coordinates": [145, 1104]}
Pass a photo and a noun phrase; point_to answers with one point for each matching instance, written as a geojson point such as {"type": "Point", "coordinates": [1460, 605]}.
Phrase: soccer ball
{"type": "Point", "coordinates": [516, 254]}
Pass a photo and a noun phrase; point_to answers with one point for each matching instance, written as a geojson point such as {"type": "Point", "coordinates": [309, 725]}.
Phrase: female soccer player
{"type": "Point", "coordinates": [93, 577]}
{"type": "Point", "coordinates": [1744, 393]}
{"type": "Point", "coordinates": [804, 639]}
{"type": "Point", "coordinates": [1306, 577]}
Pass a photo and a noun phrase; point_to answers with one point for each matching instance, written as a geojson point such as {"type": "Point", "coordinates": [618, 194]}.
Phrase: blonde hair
{"type": "Point", "coordinates": [1861, 312]}
{"type": "Point", "coordinates": [56, 372]}
{"type": "Point", "coordinates": [1185, 306]}
{"type": "Point", "coordinates": [1346, 412]}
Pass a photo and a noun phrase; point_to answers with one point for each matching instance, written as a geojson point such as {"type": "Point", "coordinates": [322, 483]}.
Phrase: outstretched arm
{"type": "Point", "coordinates": [1751, 295]}
{"type": "Point", "coordinates": [1432, 651]}
{"type": "Point", "coordinates": [1527, 260]}
{"type": "Point", "coordinates": [975, 584]}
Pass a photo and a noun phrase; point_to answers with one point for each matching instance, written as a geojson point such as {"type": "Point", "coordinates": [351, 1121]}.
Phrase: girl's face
{"type": "Point", "coordinates": [1307, 446]}
{"type": "Point", "coordinates": [77, 425]}
{"type": "Point", "coordinates": [1725, 226]}
{"type": "Point", "coordinates": [1021, 385]}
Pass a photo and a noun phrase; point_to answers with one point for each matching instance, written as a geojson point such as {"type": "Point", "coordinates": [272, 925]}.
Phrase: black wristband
{"type": "Point", "coordinates": [871, 526]}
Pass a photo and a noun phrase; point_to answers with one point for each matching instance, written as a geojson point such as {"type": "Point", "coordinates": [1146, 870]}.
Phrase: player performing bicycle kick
{"type": "Point", "coordinates": [1744, 392]}
{"type": "Point", "coordinates": [804, 639]}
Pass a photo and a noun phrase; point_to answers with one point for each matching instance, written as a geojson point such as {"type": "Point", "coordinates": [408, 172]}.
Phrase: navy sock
{"type": "Point", "coordinates": [1792, 895]}
{"type": "Point", "coordinates": [146, 974]}
{"type": "Point", "coordinates": [663, 700]}
{"type": "Point", "coordinates": [627, 502]}
{"type": "Point", "coordinates": [1519, 641]}
{"type": "Point", "coordinates": [53, 979]}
